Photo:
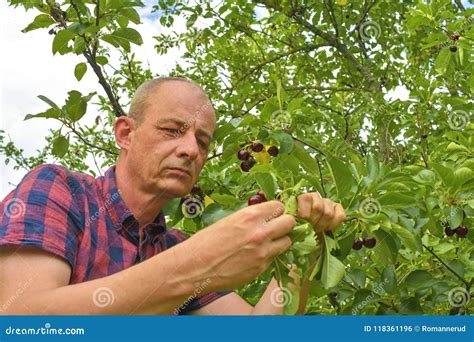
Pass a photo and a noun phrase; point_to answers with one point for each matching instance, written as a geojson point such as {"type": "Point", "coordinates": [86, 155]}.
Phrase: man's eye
{"type": "Point", "coordinates": [170, 130]}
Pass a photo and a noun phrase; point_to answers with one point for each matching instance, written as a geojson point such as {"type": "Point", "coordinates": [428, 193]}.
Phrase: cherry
{"type": "Point", "coordinates": [257, 147]}
{"type": "Point", "coordinates": [247, 165]}
{"type": "Point", "coordinates": [243, 155]}
{"type": "Point", "coordinates": [273, 151]}
{"type": "Point", "coordinates": [424, 136]}
{"type": "Point", "coordinates": [461, 231]}
{"type": "Point", "coordinates": [262, 195]}
{"type": "Point", "coordinates": [369, 242]}
{"type": "Point", "coordinates": [357, 244]}
{"type": "Point", "coordinates": [454, 37]}
{"type": "Point", "coordinates": [453, 48]}
{"type": "Point", "coordinates": [255, 199]}
{"type": "Point", "coordinates": [196, 189]}
{"type": "Point", "coordinates": [448, 231]}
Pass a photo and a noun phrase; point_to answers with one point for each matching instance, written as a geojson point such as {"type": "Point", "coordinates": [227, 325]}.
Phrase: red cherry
{"type": "Point", "coordinates": [255, 199]}
{"type": "Point", "coordinates": [262, 195]}
{"type": "Point", "coordinates": [448, 231]}
{"type": "Point", "coordinates": [273, 151]}
{"type": "Point", "coordinates": [257, 147]}
{"type": "Point", "coordinates": [369, 242]}
{"type": "Point", "coordinates": [461, 231]}
{"type": "Point", "coordinates": [357, 244]}
{"type": "Point", "coordinates": [454, 37]}
{"type": "Point", "coordinates": [196, 189]}
{"type": "Point", "coordinates": [247, 165]}
{"type": "Point", "coordinates": [243, 155]}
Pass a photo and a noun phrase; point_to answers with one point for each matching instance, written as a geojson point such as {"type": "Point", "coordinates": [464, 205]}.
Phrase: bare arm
{"type": "Point", "coordinates": [36, 282]}
{"type": "Point", "coordinates": [225, 255]}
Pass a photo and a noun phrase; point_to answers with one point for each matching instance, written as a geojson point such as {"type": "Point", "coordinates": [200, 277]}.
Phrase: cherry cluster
{"type": "Point", "coordinates": [460, 231]}
{"type": "Point", "coordinates": [246, 156]}
{"type": "Point", "coordinates": [368, 242]}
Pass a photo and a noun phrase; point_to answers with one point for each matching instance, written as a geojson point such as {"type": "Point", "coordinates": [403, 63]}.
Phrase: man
{"type": "Point", "coordinates": [72, 244]}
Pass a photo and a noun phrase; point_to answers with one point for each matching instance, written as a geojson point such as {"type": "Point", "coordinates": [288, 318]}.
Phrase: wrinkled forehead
{"type": "Point", "coordinates": [182, 101]}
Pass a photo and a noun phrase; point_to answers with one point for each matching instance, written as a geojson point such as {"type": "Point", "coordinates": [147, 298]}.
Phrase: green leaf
{"type": "Point", "coordinates": [61, 40]}
{"type": "Point", "coordinates": [40, 21]}
{"type": "Point", "coordinates": [48, 101]}
{"type": "Point", "coordinates": [267, 183]}
{"type": "Point", "coordinates": [285, 140]}
{"type": "Point", "coordinates": [427, 177]}
{"type": "Point", "coordinates": [389, 279]}
{"type": "Point", "coordinates": [80, 70]}
{"type": "Point", "coordinates": [341, 175]}
{"type": "Point", "coordinates": [131, 14]}
{"type": "Point", "coordinates": [123, 37]}
{"type": "Point", "coordinates": [455, 217]}
{"type": "Point", "coordinates": [75, 106]}
{"type": "Point", "coordinates": [51, 113]}
{"type": "Point", "coordinates": [442, 61]}
{"type": "Point", "coordinates": [213, 213]}
{"type": "Point", "coordinates": [333, 269]}
{"type": "Point", "coordinates": [407, 238]}
{"type": "Point", "coordinates": [60, 146]}
{"type": "Point", "coordinates": [102, 60]}
{"type": "Point", "coordinates": [396, 200]}
{"type": "Point", "coordinates": [417, 278]}
{"type": "Point", "coordinates": [385, 249]}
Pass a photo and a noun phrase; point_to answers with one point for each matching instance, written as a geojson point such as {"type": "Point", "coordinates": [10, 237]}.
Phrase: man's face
{"type": "Point", "coordinates": [168, 150]}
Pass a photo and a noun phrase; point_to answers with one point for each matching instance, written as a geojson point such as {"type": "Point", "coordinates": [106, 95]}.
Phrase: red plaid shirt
{"type": "Point", "coordinates": [85, 221]}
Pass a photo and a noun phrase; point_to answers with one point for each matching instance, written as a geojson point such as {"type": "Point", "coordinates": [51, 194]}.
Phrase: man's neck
{"type": "Point", "coordinates": [144, 206]}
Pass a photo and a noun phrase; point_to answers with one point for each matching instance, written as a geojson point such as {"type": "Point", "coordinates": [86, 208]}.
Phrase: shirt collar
{"type": "Point", "coordinates": [122, 217]}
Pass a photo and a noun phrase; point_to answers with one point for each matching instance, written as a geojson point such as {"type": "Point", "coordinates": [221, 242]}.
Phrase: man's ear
{"type": "Point", "coordinates": [123, 130]}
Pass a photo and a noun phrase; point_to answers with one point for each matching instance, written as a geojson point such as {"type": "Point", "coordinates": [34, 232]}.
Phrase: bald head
{"type": "Point", "coordinates": [142, 97]}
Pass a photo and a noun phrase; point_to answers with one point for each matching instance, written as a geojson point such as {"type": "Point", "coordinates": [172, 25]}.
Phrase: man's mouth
{"type": "Point", "coordinates": [179, 171]}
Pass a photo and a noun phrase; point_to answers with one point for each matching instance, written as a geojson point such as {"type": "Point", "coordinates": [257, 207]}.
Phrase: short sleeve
{"type": "Point", "coordinates": [196, 300]}
{"type": "Point", "coordinates": [41, 212]}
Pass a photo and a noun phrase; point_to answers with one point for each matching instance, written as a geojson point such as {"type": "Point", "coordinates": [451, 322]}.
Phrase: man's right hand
{"type": "Point", "coordinates": [238, 248]}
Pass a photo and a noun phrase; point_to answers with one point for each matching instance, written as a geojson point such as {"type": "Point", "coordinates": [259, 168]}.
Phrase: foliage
{"type": "Point", "coordinates": [313, 78]}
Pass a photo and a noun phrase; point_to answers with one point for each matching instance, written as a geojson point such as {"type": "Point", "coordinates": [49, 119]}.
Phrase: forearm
{"type": "Point", "coordinates": [155, 286]}
{"type": "Point", "coordinates": [269, 303]}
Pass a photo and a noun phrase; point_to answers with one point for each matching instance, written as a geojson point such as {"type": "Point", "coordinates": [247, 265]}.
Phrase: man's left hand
{"type": "Point", "coordinates": [322, 213]}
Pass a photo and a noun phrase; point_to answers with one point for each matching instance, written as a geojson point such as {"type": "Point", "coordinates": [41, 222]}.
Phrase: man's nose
{"type": "Point", "coordinates": [187, 145]}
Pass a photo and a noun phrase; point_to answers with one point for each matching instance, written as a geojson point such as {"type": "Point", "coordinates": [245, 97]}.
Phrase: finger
{"type": "Point", "coordinates": [339, 217]}
{"type": "Point", "coordinates": [279, 226]}
{"type": "Point", "coordinates": [268, 210]}
{"type": "Point", "coordinates": [327, 215]}
{"type": "Point", "coordinates": [305, 203]}
{"type": "Point", "coordinates": [280, 245]}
